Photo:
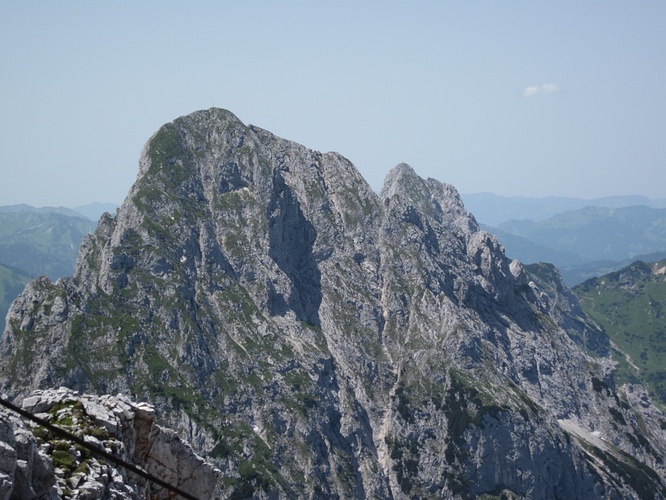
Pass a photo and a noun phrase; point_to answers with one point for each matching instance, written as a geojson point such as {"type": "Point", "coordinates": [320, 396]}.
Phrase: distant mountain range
{"type": "Point", "coordinates": [598, 233]}
{"type": "Point", "coordinates": [493, 209]}
{"type": "Point", "coordinates": [583, 243]}
{"type": "Point", "coordinates": [42, 242]}
{"type": "Point", "coordinates": [34, 242]}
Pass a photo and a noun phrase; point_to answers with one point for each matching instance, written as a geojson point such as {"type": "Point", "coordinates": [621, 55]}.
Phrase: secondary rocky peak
{"type": "Point", "coordinates": [401, 179]}
{"type": "Point", "coordinates": [317, 339]}
{"type": "Point", "coordinates": [403, 186]}
{"type": "Point", "coordinates": [433, 198]}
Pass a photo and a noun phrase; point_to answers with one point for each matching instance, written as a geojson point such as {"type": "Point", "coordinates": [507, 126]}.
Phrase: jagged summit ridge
{"type": "Point", "coordinates": [318, 339]}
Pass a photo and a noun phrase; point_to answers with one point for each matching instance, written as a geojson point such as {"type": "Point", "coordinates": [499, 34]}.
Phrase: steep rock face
{"type": "Point", "coordinates": [561, 303]}
{"type": "Point", "coordinates": [318, 339]}
{"type": "Point", "coordinates": [39, 464]}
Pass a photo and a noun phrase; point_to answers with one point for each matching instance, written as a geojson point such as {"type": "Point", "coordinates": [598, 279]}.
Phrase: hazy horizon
{"type": "Point", "coordinates": [657, 202]}
{"type": "Point", "coordinates": [514, 99]}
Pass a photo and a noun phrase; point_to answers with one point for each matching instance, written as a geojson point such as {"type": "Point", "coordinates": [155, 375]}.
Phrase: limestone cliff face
{"type": "Point", "coordinates": [318, 339]}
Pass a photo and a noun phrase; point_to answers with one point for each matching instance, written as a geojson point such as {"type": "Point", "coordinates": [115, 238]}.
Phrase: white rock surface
{"type": "Point", "coordinates": [28, 453]}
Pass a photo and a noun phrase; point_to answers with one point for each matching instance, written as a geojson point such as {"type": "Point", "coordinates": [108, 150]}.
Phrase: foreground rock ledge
{"type": "Point", "coordinates": [35, 463]}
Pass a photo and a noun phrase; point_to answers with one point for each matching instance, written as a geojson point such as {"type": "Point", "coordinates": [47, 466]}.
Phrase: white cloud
{"type": "Point", "coordinates": [545, 89]}
{"type": "Point", "coordinates": [531, 91]}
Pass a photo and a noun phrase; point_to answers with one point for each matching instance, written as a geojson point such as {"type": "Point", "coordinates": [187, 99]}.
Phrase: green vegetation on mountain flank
{"type": "Point", "coordinates": [631, 306]}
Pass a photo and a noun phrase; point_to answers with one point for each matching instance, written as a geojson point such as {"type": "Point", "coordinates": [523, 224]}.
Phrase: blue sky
{"type": "Point", "coordinates": [562, 98]}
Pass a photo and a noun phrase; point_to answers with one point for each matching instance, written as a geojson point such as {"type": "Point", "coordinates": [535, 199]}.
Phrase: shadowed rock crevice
{"type": "Point", "coordinates": [291, 238]}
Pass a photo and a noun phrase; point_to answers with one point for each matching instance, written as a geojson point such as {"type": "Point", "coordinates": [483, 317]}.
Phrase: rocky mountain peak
{"type": "Point", "coordinates": [402, 180]}
{"type": "Point", "coordinates": [317, 339]}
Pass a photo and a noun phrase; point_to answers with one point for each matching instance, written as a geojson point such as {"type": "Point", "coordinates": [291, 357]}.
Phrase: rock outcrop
{"type": "Point", "coordinates": [24, 471]}
{"type": "Point", "coordinates": [36, 463]}
{"type": "Point", "coordinates": [317, 339]}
